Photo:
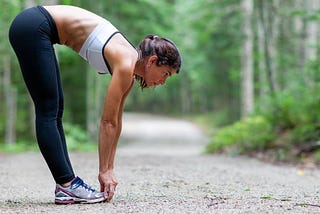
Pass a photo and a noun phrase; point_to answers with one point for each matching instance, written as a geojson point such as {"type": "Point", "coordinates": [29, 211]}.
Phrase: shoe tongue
{"type": "Point", "coordinates": [79, 182]}
{"type": "Point", "coordinates": [76, 182]}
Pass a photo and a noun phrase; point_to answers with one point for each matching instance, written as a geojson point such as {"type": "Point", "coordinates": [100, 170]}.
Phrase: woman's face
{"type": "Point", "coordinates": [157, 75]}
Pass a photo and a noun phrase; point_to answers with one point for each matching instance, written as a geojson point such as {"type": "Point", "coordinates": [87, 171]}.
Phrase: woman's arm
{"type": "Point", "coordinates": [119, 127]}
{"type": "Point", "coordinates": [110, 164]}
{"type": "Point", "coordinates": [110, 128]}
{"type": "Point", "coordinates": [122, 59]}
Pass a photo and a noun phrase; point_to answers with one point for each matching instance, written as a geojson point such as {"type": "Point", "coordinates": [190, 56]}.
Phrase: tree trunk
{"type": "Point", "coordinates": [266, 46]}
{"type": "Point", "coordinates": [247, 60]}
{"type": "Point", "coordinates": [9, 91]}
{"type": "Point", "coordinates": [311, 31]}
{"type": "Point", "coordinates": [310, 48]}
{"type": "Point", "coordinates": [32, 117]}
{"type": "Point", "coordinates": [299, 30]}
{"type": "Point", "coordinates": [91, 117]}
{"type": "Point", "coordinates": [273, 33]}
{"type": "Point", "coordinates": [262, 86]}
{"type": "Point", "coordinates": [10, 102]}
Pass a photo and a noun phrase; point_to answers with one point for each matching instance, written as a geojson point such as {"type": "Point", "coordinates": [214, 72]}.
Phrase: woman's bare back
{"type": "Point", "coordinates": [74, 24]}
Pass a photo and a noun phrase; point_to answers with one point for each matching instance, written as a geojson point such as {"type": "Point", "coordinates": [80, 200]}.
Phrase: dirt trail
{"type": "Point", "coordinates": [160, 169]}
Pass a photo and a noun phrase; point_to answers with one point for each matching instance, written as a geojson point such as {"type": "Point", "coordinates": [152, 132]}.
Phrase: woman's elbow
{"type": "Point", "coordinates": [108, 125]}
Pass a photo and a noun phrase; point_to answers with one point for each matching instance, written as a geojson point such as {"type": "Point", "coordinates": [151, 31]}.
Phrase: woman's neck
{"type": "Point", "coordinates": [139, 67]}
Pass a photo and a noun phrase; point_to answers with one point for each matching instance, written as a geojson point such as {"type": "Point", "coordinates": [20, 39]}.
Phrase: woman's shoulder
{"type": "Point", "coordinates": [120, 52]}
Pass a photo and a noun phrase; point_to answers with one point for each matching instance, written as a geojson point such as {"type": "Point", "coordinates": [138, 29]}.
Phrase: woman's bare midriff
{"type": "Point", "coordinates": [73, 24]}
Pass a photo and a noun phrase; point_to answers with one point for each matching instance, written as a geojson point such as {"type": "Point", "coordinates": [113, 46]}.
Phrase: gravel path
{"type": "Point", "coordinates": [160, 169]}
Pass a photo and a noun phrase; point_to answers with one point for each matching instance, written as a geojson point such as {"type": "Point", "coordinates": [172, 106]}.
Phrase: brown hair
{"type": "Point", "coordinates": [166, 51]}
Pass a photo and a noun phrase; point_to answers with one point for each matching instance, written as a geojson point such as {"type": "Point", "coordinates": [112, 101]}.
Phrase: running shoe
{"type": "Point", "coordinates": [77, 192]}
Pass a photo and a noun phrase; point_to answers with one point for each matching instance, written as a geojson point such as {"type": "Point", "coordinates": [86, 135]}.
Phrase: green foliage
{"type": "Point", "coordinates": [305, 133]}
{"type": "Point", "coordinates": [295, 114]}
{"type": "Point", "coordinates": [210, 54]}
{"type": "Point", "coordinates": [317, 155]}
{"type": "Point", "coordinates": [73, 74]}
{"type": "Point", "coordinates": [296, 109]}
{"type": "Point", "coordinates": [266, 197]}
{"type": "Point", "coordinates": [9, 8]}
{"type": "Point", "coordinates": [210, 122]}
{"type": "Point", "coordinates": [252, 133]}
{"type": "Point", "coordinates": [22, 146]}
{"type": "Point", "coordinates": [68, 2]}
{"type": "Point", "coordinates": [77, 139]}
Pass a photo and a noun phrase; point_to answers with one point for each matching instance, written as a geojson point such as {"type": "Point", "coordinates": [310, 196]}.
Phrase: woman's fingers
{"type": "Point", "coordinates": [108, 184]}
{"type": "Point", "coordinates": [109, 191]}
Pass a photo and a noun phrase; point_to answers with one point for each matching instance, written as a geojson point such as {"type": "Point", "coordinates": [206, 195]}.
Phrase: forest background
{"type": "Point", "coordinates": [250, 74]}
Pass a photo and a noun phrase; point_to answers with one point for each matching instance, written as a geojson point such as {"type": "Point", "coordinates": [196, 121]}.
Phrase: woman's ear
{"type": "Point", "coordinates": [152, 59]}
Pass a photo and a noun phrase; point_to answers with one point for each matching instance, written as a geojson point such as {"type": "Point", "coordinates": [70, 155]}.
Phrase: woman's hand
{"type": "Point", "coordinates": [108, 184]}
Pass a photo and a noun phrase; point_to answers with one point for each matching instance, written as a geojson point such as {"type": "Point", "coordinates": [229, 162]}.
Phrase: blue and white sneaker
{"type": "Point", "coordinates": [77, 192]}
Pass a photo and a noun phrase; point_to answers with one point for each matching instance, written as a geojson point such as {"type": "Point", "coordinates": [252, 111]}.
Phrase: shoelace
{"type": "Point", "coordinates": [80, 182]}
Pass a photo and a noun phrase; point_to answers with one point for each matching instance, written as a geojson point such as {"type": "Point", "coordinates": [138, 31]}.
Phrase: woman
{"type": "Point", "coordinates": [32, 35]}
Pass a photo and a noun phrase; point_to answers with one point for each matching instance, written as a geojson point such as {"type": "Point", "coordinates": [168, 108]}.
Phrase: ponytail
{"type": "Point", "coordinates": [166, 51]}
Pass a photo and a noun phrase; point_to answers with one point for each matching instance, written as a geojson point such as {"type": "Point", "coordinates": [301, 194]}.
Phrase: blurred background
{"type": "Point", "coordinates": [250, 74]}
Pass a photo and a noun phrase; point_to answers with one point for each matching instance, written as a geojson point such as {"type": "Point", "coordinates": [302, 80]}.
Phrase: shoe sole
{"type": "Point", "coordinates": [66, 201]}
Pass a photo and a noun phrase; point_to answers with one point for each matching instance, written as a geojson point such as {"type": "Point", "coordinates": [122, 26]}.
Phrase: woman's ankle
{"type": "Point", "coordinates": [68, 183]}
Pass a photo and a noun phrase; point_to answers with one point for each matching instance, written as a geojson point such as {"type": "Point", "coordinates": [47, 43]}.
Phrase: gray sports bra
{"type": "Point", "coordinates": [92, 48]}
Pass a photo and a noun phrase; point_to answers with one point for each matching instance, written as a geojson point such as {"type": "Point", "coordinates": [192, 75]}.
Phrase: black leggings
{"type": "Point", "coordinates": [32, 35]}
